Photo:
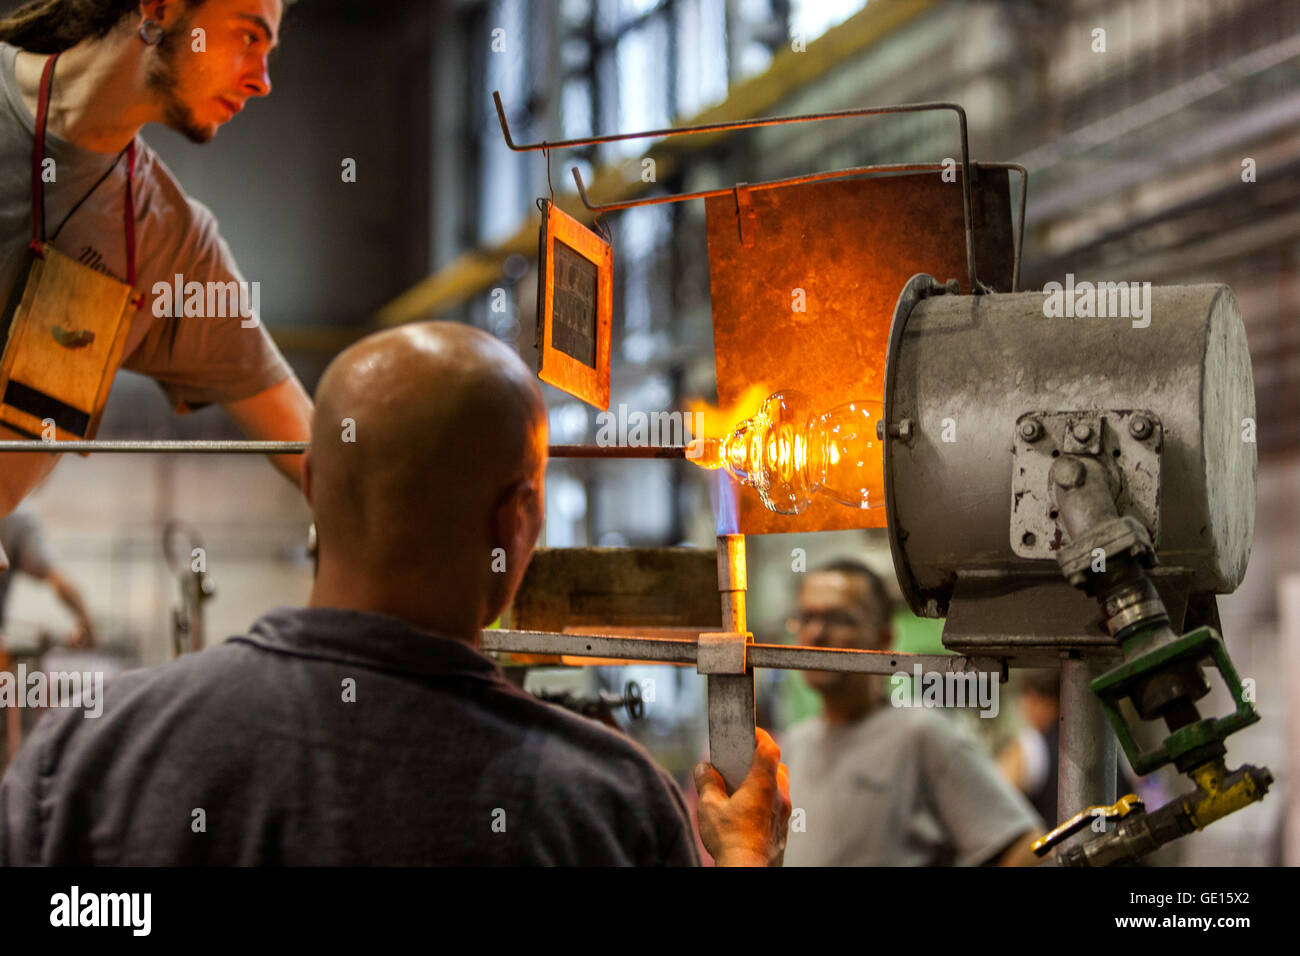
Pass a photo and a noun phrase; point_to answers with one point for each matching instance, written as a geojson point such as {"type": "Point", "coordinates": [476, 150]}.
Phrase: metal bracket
{"type": "Point", "coordinates": [722, 653]}
{"type": "Point", "coordinates": [1128, 441]}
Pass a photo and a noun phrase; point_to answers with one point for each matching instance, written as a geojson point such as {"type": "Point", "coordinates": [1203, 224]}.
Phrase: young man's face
{"type": "Point", "coordinates": [212, 59]}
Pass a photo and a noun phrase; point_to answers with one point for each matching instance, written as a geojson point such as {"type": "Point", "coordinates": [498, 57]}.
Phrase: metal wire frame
{"type": "Point", "coordinates": [889, 169]}
{"type": "Point", "coordinates": [779, 121]}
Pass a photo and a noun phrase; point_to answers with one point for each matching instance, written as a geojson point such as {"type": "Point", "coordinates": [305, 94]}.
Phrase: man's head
{"type": "Point", "coordinates": [842, 604]}
{"type": "Point", "coordinates": [426, 475]}
{"type": "Point", "coordinates": [200, 89]}
{"type": "Point", "coordinates": [202, 58]}
{"type": "Point", "coordinates": [1040, 698]}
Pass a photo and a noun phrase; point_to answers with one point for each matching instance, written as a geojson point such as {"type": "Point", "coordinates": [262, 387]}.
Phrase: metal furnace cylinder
{"type": "Point", "coordinates": [963, 371]}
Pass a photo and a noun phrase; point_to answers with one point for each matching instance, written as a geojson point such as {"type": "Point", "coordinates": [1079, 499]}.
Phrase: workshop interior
{"type": "Point", "coordinates": [998, 299]}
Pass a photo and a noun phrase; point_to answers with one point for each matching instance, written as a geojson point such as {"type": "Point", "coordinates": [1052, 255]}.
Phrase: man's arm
{"type": "Point", "coordinates": [70, 597]}
{"type": "Point", "coordinates": [749, 827]}
{"type": "Point", "coordinates": [1020, 852]}
{"type": "Point", "coordinates": [20, 472]}
{"type": "Point", "coordinates": [987, 819]}
{"type": "Point", "coordinates": [279, 413]}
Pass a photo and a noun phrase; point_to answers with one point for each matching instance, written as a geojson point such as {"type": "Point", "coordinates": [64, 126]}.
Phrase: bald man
{"type": "Point", "coordinates": [366, 728]}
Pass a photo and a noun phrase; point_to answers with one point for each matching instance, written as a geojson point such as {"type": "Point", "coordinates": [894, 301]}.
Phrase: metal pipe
{"type": "Point", "coordinates": [731, 696]}
{"type": "Point", "coordinates": [298, 447]}
{"type": "Point", "coordinates": [1086, 776]}
{"type": "Point", "coordinates": [192, 447]}
{"type": "Point", "coordinates": [616, 451]}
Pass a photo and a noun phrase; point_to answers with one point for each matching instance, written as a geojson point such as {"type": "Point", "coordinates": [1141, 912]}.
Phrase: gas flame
{"type": "Point", "coordinates": [715, 422]}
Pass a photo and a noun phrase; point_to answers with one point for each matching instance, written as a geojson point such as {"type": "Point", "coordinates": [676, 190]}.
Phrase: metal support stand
{"type": "Point", "coordinates": [731, 696]}
{"type": "Point", "coordinates": [1087, 748]}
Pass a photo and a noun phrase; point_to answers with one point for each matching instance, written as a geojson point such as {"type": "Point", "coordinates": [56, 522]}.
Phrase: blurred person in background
{"type": "Point", "coordinates": [880, 785]}
{"type": "Point", "coordinates": [21, 538]}
{"type": "Point", "coordinates": [1030, 760]}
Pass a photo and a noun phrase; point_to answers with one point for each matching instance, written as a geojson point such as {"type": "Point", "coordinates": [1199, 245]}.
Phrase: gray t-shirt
{"type": "Point", "coordinates": [196, 360]}
{"type": "Point", "coordinates": [333, 737]}
{"type": "Point", "coordinates": [22, 542]}
{"type": "Point", "coordinates": [901, 787]}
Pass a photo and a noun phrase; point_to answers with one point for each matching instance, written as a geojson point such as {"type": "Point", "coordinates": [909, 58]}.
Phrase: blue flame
{"type": "Point", "coordinates": [726, 513]}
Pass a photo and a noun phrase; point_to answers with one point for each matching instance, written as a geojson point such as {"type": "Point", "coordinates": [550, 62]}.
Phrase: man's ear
{"type": "Point", "coordinates": [506, 518]}
{"type": "Point", "coordinates": [518, 516]}
{"type": "Point", "coordinates": [533, 505]}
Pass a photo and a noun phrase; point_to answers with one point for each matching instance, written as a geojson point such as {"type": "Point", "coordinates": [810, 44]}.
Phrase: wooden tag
{"type": "Point", "coordinates": [63, 348]}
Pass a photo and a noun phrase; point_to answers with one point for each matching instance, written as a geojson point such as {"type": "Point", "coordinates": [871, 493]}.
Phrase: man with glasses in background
{"type": "Point", "coordinates": [881, 785]}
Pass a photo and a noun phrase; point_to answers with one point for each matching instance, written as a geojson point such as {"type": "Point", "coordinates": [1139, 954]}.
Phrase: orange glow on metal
{"type": "Point", "coordinates": [803, 282]}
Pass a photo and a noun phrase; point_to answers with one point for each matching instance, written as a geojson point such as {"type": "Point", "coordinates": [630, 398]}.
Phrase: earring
{"type": "Point", "coordinates": [151, 31]}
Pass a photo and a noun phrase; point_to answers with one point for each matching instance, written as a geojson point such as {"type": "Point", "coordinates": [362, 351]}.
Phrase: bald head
{"type": "Point", "coordinates": [420, 432]}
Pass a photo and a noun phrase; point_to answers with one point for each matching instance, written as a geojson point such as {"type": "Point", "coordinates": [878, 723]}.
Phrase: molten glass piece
{"type": "Point", "coordinates": [788, 454]}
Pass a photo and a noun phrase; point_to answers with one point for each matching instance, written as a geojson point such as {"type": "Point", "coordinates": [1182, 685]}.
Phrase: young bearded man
{"type": "Point", "coordinates": [121, 64]}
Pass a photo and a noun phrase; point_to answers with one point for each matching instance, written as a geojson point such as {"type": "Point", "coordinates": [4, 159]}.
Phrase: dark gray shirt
{"type": "Point", "coordinates": [327, 736]}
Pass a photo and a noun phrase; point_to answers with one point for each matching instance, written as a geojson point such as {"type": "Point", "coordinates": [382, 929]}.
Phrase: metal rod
{"type": "Point", "coordinates": [768, 184]}
{"type": "Point", "coordinates": [617, 451]}
{"type": "Point", "coordinates": [1087, 745]}
{"type": "Point", "coordinates": [844, 660]}
{"type": "Point", "coordinates": [193, 447]}
{"type": "Point", "coordinates": [659, 650]}
{"type": "Point", "coordinates": [297, 447]}
{"type": "Point", "coordinates": [665, 650]}
{"type": "Point", "coordinates": [889, 169]}
{"type": "Point", "coordinates": [780, 121]}
{"type": "Point", "coordinates": [718, 127]}
{"type": "Point", "coordinates": [731, 696]}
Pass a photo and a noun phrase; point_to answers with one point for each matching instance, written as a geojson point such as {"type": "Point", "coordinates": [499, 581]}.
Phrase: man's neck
{"type": "Point", "coordinates": [427, 602]}
{"type": "Point", "coordinates": [842, 713]}
{"type": "Point", "coordinates": [100, 96]}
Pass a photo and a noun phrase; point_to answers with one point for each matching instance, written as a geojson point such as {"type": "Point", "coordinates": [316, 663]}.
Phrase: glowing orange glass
{"type": "Point", "coordinates": [788, 454]}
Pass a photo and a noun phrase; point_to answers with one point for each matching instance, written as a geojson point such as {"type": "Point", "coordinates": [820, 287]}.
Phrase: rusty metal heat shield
{"type": "Point", "coordinates": [804, 279]}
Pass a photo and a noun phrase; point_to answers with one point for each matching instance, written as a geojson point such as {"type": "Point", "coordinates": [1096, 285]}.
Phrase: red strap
{"type": "Point", "coordinates": [128, 216]}
{"type": "Point", "coordinates": [38, 185]}
{"type": "Point", "coordinates": [38, 154]}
